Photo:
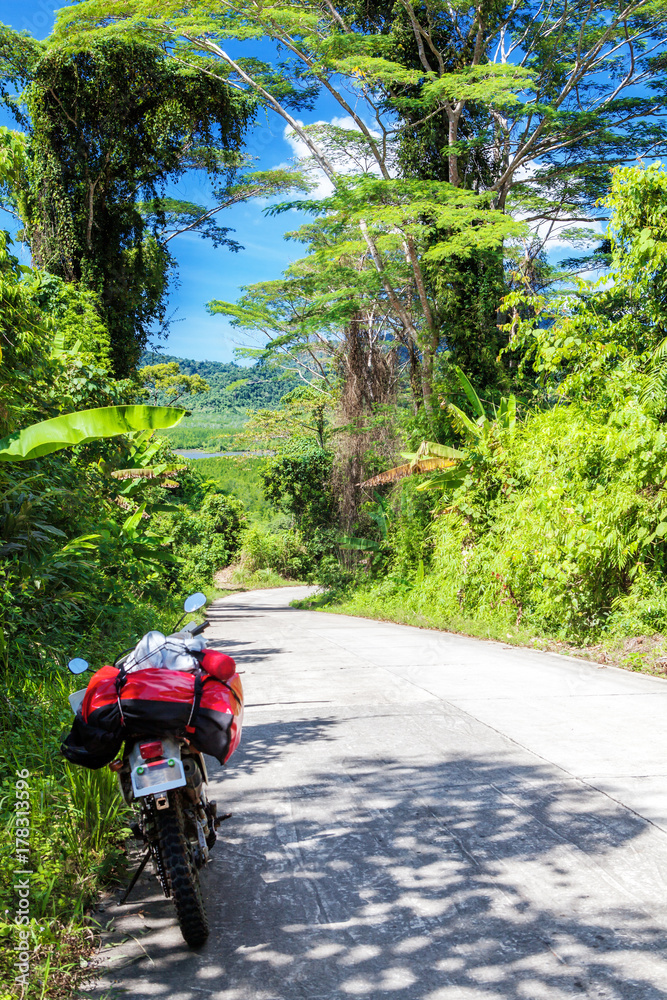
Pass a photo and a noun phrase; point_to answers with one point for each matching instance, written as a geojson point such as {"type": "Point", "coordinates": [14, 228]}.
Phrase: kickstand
{"type": "Point", "coordinates": [136, 876]}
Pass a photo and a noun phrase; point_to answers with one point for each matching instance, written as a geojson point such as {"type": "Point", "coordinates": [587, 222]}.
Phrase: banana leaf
{"type": "Point", "coordinates": [410, 469]}
{"type": "Point", "coordinates": [428, 456]}
{"type": "Point", "coordinates": [473, 398]}
{"type": "Point", "coordinates": [86, 425]}
{"type": "Point", "coordinates": [133, 520]}
{"type": "Point", "coordinates": [449, 480]}
{"type": "Point", "coordinates": [155, 473]}
{"type": "Point", "coordinates": [359, 544]}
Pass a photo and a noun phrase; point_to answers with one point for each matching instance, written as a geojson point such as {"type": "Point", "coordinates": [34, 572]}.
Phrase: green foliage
{"type": "Point", "coordinates": [167, 379]}
{"type": "Point", "coordinates": [299, 485]}
{"type": "Point", "coordinates": [294, 535]}
{"type": "Point", "coordinates": [23, 340]}
{"type": "Point", "coordinates": [233, 388]}
{"type": "Point", "coordinates": [238, 477]}
{"type": "Point", "coordinates": [18, 54]}
{"type": "Point", "coordinates": [440, 69]}
{"type": "Point", "coordinates": [409, 538]}
{"type": "Point", "coordinates": [561, 532]}
{"type": "Point", "coordinates": [90, 558]}
{"type": "Point", "coordinates": [216, 436]}
{"type": "Point", "coordinates": [74, 312]}
{"type": "Point", "coordinates": [499, 121]}
{"type": "Point", "coordinates": [605, 340]}
{"type": "Point", "coordinates": [110, 123]}
{"type": "Point", "coordinates": [370, 247]}
{"type": "Point", "coordinates": [282, 552]}
{"type": "Point", "coordinates": [206, 539]}
{"type": "Point", "coordinates": [305, 415]}
{"type": "Point", "coordinates": [78, 574]}
{"type": "Point", "coordinates": [554, 525]}
{"type": "Point", "coordinates": [88, 563]}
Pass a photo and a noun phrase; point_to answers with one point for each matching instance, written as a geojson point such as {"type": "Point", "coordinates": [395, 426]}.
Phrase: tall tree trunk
{"type": "Point", "coordinates": [370, 381]}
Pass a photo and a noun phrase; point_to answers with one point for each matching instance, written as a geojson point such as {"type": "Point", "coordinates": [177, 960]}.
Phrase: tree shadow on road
{"type": "Point", "coordinates": [435, 879]}
{"type": "Point", "coordinates": [263, 744]}
{"type": "Point", "coordinates": [241, 609]}
{"type": "Point", "coordinates": [242, 656]}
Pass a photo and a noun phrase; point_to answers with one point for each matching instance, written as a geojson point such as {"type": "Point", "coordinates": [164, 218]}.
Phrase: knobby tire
{"type": "Point", "coordinates": [181, 873]}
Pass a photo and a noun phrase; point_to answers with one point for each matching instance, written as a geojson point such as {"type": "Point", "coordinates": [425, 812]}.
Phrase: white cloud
{"type": "Point", "coordinates": [554, 240]}
{"type": "Point", "coordinates": [356, 161]}
{"type": "Point", "coordinates": [552, 237]}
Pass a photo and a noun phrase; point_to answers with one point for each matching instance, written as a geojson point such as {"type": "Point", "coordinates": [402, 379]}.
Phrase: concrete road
{"type": "Point", "coordinates": [419, 816]}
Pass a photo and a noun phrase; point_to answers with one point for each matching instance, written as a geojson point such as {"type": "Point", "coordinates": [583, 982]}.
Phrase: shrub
{"type": "Point", "coordinates": [299, 485]}
{"type": "Point", "coordinates": [563, 530]}
{"type": "Point", "coordinates": [205, 540]}
{"type": "Point", "coordinates": [284, 553]}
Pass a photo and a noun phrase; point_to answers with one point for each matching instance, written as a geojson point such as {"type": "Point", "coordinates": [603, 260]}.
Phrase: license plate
{"type": "Point", "coordinates": [158, 776]}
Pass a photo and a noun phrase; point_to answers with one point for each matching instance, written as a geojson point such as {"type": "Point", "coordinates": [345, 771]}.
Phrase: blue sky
{"type": "Point", "coordinates": [204, 272]}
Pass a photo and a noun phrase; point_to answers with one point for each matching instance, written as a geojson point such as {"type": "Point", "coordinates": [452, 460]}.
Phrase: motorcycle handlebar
{"type": "Point", "coordinates": [200, 628]}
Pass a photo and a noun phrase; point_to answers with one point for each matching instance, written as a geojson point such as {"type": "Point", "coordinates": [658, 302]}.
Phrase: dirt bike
{"type": "Point", "coordinates": [161, 771]}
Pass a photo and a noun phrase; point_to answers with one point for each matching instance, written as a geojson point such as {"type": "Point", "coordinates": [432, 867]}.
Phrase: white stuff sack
{"type": "Point", "coordinates": [172, 652]}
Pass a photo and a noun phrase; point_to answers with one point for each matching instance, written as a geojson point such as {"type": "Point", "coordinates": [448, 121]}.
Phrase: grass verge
{"type": "Point", "coordinates": [63, 827]}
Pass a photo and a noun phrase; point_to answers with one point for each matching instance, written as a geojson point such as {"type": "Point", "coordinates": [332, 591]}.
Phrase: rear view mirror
{"type": "Point", "coordinates": [77, 665]}
{"type": "Point", "coordinates": [194, 602]}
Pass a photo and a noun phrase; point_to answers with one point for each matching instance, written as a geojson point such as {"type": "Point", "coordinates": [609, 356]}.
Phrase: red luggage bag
{"type": "Point", "coordinates": [206, 706]}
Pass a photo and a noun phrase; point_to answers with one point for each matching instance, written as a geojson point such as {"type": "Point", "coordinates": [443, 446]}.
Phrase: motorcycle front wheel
{"type": "Point", "coordinates": [181, 872]}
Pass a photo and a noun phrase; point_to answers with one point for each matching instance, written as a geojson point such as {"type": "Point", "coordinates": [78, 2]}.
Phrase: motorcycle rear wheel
{"type": "Point", "coordinates": [181, 872]}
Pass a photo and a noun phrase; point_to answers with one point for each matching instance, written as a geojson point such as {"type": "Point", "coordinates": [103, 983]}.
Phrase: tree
{"type": "Point", "coordinates": [471, 58]}
{"type": "Point", "coordinates": [167, 380]}
{"type": "Point", "coordinates": [23, 332]}
{"type": "Point", "coordinates": [298, 483]}
{"type": "Point", "coordinates": [18, 54]}
{"type": "Point", "coordinates": [531, 104]}
{"type": "Point", "coordinates": [607, 340]}
{"type": "Point", "coordinates": [110, 123]}
{"type": "Point", "coordinates": [170, 217]}
{"type": "Point", "coordinates": [364, 279]}
{"type": "Point", "coordinates": [304, 414]}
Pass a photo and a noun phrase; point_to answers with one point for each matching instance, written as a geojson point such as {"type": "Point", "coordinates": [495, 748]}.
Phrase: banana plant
{"type": "Point", "coordinates": [141, 469]}
{"type": "Point", "coordinates": [484, 427]}
{"type": "Point", "coordinates": [431, 457]}
{"type": "Point", "coordinates": [83, 426]}
{"type": "Point", "coordinates": [135, 546]}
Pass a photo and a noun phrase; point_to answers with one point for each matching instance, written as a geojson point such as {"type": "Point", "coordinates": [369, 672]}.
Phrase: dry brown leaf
{"type": "Point", "coordinates": [410, 469]}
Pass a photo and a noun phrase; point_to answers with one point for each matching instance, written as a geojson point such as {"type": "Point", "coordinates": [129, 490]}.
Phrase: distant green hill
{"type": "Point", "coordinates": [263, 388]}
{"type": "Point", "coordinates": [219, 415]}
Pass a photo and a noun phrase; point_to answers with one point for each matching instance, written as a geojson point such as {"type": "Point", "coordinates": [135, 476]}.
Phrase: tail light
{"type": "Point", "coordinates": [150, 750]}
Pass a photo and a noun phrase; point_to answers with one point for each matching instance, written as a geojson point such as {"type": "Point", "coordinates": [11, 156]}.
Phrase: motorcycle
{"type": "Point", "coordinates": [161, 771]}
